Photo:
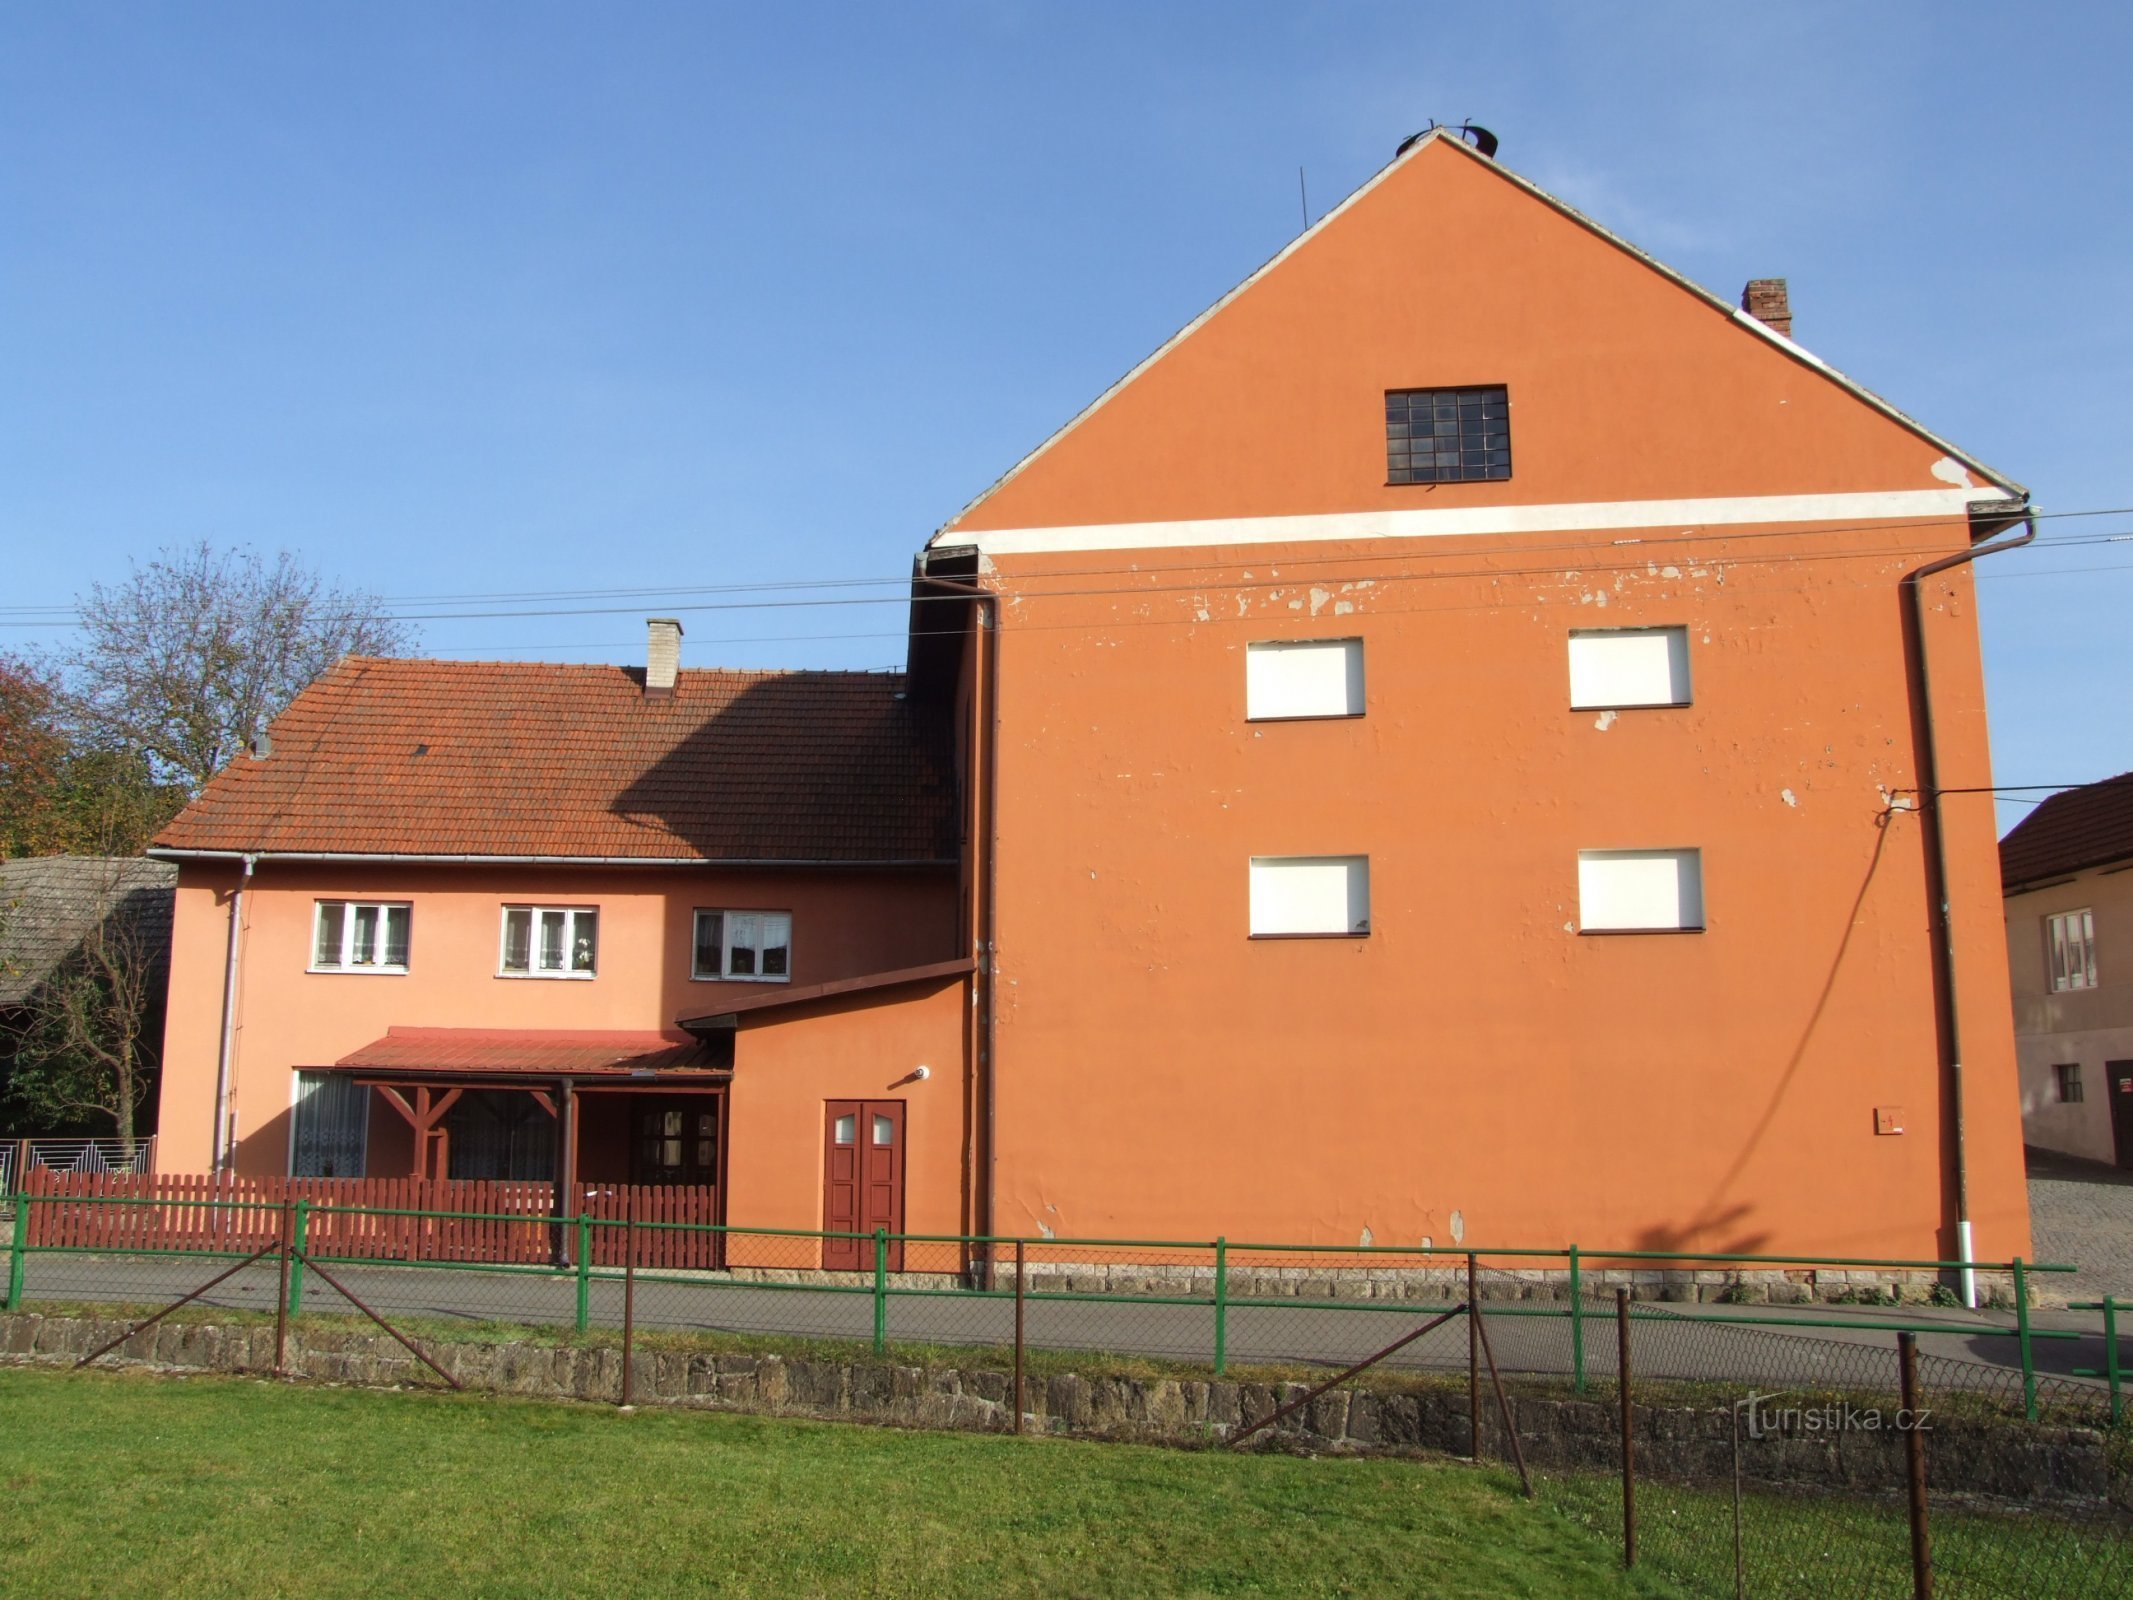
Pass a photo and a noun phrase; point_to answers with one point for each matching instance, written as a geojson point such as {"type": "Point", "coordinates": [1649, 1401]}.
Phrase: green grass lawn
{"type": "Point", "coordinates": [143, 1485]}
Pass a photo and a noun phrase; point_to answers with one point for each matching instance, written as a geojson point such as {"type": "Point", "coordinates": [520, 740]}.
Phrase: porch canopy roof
{"type": "Point", "coordinates": [418, 1055]}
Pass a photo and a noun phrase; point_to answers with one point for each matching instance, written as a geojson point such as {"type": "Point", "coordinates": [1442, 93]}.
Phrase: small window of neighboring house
{"type": "Point", "coordinates": [1447, 435]}
{"type": "Point", "coordinates": [1310, 896]}
{"type": "Point", "coordinates": [2068, 1074]}
{"type": "Point", "coordinates": [1640, 891]}
{"type": "Point", "coordinates": [2070, 949]}
{"type": "Point", "coordinates": [1294, 678]}
{"type": "Point", "coordinates": [751, 946]}
{"type": "Point", "coordinates": [360, 936]}
{"type": "Point", "coordinates": [1613, 668]}
{"type": "Point", "coordinates": [550, 942]}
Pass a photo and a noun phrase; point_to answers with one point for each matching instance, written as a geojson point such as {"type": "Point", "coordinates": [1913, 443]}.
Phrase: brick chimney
{"type": "Point", "coordinates": [662, 657]}
{"type": "Point", "coordinates": [1765, 300]}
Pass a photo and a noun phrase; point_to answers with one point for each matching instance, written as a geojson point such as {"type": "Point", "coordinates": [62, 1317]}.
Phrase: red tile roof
{"type": "Point", "coordinates": [544, 1050]}
{"type": "Point", "coordinates": [476, 758]}
{"type": "Point", "coordinates": [2083, 827]}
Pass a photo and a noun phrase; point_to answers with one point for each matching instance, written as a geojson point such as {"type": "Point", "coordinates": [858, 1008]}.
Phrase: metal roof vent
{"type": "Point", "coordinates": [1472, 132]}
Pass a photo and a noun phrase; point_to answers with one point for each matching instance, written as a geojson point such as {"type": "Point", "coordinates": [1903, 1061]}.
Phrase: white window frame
{"type": "Point", "coordinates": [1260, 914]}
{"type": "Point", "coordinates": [1590, 700]}
{"type": "Point", "coordinates": [732, 920]}
{"type": "Point", "coordinates": [348, 963]}
{"type": "Point", "coordinates": [1690, 855]}
{"type": "Point", "coordinates": [1355, 695]}
{"type": "Point", "coordinates": [535, 913]}
{"type": "Point", "coordinates": [2070, 950]}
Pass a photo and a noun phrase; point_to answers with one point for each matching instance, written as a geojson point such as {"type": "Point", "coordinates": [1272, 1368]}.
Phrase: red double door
{"type": "Point", "coordinates": [863, 1180]}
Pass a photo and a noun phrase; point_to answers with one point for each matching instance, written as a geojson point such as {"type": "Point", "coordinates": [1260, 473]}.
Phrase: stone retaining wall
{"type": "Point", "coordinates": [2004, 1459]}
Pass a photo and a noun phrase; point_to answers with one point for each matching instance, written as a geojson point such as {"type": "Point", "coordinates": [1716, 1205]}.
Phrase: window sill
{"type": "Point", "coordinates": [1363, 935]}
{"type": "Point", "coordinates": [1312, 716]}
{"type": "Point", "coordinates": [568, 977]}
{"type": "Point", "coordinates": [357, 972]}
{"type": "Point", "coordinates": [1633, 705]}
{"type": "Point", "coordinates": [740, 977]}
{"type": "Point", "coordinates": [1617, 933]}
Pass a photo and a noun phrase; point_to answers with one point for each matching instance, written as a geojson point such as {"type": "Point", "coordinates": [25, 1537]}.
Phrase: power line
{"type": "Point", "coordinates": [49, 615]}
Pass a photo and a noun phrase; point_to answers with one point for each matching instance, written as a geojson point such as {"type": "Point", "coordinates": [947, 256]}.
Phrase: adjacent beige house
{"type": "Point", "coordinates": [2067, 871]}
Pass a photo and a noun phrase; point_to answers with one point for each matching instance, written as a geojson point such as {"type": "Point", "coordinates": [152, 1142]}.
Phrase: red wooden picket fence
{"type": "Point", "coordinates": [370, 1219]}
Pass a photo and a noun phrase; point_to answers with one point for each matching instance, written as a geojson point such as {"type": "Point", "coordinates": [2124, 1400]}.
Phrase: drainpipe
{"type": "Point", "coordinates": [988, 778]}
{"type": "Point", "coordinates": [1937, 858]}
{"type": "Point", "coordinates": [222, 1144]}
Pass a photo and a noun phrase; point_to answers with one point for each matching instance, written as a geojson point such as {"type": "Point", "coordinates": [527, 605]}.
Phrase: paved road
{"type": "Point", "coordinates": [1680, 1342]}
{"type": "Point", "coordinates": [2082, 1211]}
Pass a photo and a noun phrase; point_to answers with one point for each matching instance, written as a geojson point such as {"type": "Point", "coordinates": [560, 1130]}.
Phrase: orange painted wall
{"type": "Point", "coordinates": [1475, 1068]}
{"type": "Point", "coordinates": [845, 924]}
{"type": "Point", "coordinates": [858, 1048]}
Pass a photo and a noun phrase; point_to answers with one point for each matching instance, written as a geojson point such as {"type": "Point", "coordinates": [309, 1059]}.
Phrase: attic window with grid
{"type": "Point", "coordinates": [1447, 435]}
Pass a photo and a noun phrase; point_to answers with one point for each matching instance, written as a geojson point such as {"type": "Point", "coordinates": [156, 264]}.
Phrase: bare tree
{"type": "Point", "coordinates": [195, 652]}
{"type": "Point", "coordinates": [87, 1024]}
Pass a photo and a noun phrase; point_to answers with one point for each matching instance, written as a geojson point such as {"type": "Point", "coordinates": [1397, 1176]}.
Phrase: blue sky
{"type": "Point", "coordinates": [472, 298]}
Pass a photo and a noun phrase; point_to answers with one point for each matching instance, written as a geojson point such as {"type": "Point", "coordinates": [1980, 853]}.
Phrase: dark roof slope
{"type": "Point", "coordinates": [472, 758]}
{"type": "Point", "coordinates": [49, 904]}
{"type": "Point", "coordinates": [2083, 827]}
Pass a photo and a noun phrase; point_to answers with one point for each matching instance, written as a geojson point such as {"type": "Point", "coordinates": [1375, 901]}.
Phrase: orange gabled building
{"type": "Point", "coordinates": [1458, 719]}
{"type": "Point", "coordinates": [1470, 742]}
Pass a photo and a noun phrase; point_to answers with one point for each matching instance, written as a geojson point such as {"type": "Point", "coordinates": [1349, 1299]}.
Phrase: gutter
{"type": "Point", "coordinates": [220, 1140]}
{"type": "Point", "coordinates": [356, 857]}
{"type": "Point", "coordinates": [985, 1183]}
{"type": "Point", "coordinates": [1944, 975]}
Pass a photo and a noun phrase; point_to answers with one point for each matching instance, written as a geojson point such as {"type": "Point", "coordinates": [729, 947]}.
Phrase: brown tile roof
{"type": "Point", "coordinates": [49, 904]}
{"type": "Point", "coordinates": [2083, 827]}
{"type": "Point", "coordinates": [524, 1050]}
{"type": "Point", "coordinates": [476, 758]}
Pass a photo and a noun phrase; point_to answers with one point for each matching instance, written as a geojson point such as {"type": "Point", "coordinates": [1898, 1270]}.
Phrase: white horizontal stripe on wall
{"type": "Point", "coordinates": [1612, 667]}
{"type": "Point", "coordinates": [1648, 891]}
{"type": "Point", "coordinates": [1310, 894]}
{"type": "Point", "coordinates": [1303, 678]}
{"type": "Point", "coordinates": [1569, 517]}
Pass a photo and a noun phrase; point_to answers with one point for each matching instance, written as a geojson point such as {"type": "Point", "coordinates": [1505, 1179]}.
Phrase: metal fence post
{"type": "Point", "coordinates": [1914, 1451]}
{"type": "Point", "coordinates": [1221, 1306]}
{"type": "Point", "coordinates": [286, 1234]}
{"type": "Point", "coordinates": [2110, 1352]}
{"type": "Point", "coordinates": [1473, 1362]}
{"type": "Point", "coordinates": [585, 1228]}
{"type": "Point", "coordinates": [2029, 1366]}
{"type": "Point", "coordinates": [17, 1243]}
{"type": "Point", "coordinates": [1577, 1326]}
{"type": "Point", "coordinates": [629, 1293]}
{"type": "Point", "coordinates": [1629, 1451]}
{"type": "Point", "coordinates": [881, 1290]}
{"type": "Point", "coordinates": [302, 1238]}
{"type": "Point", "coordinates": [1018, 1335]}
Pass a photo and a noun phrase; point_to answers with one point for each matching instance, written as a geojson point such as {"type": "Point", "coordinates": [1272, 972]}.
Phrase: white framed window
{"type": "Point", "coordinates": [2070, 949]}
{"type": "Point", "coordinates": [750, 946]}
{"type": "Point", "coordinates": [360, 935]}
{"type": "Point", "coordinates": [1286, 679]}
{"type": "Point", "coordinates": [550, 942]}
{"type": "Point", "coordinates": [1306, 896]}
{"type": "Point", "coordinates": [1640, 891]}
{"type": "Point", "coordinates": [1613, 668]}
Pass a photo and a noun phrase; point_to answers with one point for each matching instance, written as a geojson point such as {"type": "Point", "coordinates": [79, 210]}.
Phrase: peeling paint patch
{"type": "Point", "coordinates": [1319, 597]}
{"type": "Point", "coordinates": [1788, 797]}
{"type": "Point", "coordinates": [1669, 572]}
{"type": "Point", "coordinates": [1605, 720]}
{"type": "Point", "coordinates": [1044, 1229]}
{"type": "Point", "coordinates": [1458, 1227]}
{"type": "Point", "coordinates": [1367, 1240]}
{"type": "Point", "coordinates": [1950, 470]}
{"type": "Point", "coordinates": [1341, 608]}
